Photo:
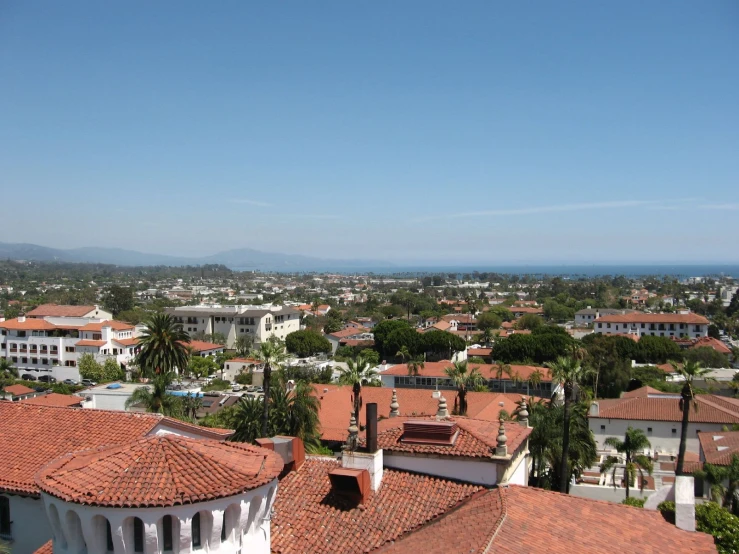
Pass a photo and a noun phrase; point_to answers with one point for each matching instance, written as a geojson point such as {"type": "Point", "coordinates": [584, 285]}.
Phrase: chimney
{"type": "Point", "coordinates": [684, 503]}
{"type": "Point", "coordinates": [371, 418]}
{"type": "Point", "coordinates": [442, 412]}
{"type": "Point", "coordinates": [21, 317]}
{"type": "Point", "coordinates": [594, 409]}
{"type": "Point", "coordinates": [290, 449]}
{"type": "Point", "coordinates": [501, 449]}
{"type": "Point", "coordinates": [523, 413]}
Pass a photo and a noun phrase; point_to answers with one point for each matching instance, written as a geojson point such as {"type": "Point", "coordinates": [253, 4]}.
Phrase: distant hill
{"type": "Point", "coordinates": [240, 258]}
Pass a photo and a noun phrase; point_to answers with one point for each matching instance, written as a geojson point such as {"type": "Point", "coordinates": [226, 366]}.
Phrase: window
{"type": "Point", "coordinates": [108, 537]}
{"type": "Point", "coordinates": [167, 531]}
{"type": "Point", "coordinates": [643, 325]}
{"type": "Point", "coordinates": [649, 430]}
{"type": "Point", "coordinates": [602, 427]}
{"type": "Point", "coordinates": [34, 361]}
{"type": "Point", "coordinates": [97, 336]}
{"type": "Point", "coordinates": [4, 516]}
{"type": "Point", "coordinates": [138, 535]}
{"type": "Point", "coordinates": [674, 431]}
{"type": "Point", "coordinates": [196, 531]}
{"type": "Point", "coordinates": [69, 348]}
{"type": "Point", "coordinates": [21, 333]}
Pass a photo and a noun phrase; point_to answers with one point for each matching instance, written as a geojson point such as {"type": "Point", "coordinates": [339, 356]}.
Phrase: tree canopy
{"type": "Point", "coordinates": [307, 343]}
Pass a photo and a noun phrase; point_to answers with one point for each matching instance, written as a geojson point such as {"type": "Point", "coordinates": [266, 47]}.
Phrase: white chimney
{"type": "Point", "coordinates": [371, 461]}
{"type": "Point", "coordinates": [594, 409]}
{"type": "Point", "coordinates": [21, 318]}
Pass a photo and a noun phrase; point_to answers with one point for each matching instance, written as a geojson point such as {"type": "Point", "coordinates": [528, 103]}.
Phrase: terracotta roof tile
{"type": "Point", "coordinates": [639, 317]}
{"type": "Point", "coordinates": [47, 548]}
{"type": "Point", "coordinates": [711, 409]}
{"type": "Point", "coordinates": [310, 518]}
{"type": "Point", "coordinates": [113, 324]}
{"type": "Point", "coordinates": [719, 446]}
{"type": "Point", "coordinates": [350, 332]}
{"type": "Point", "coordinates": [202, 346]}
{"type": "Point", "coordinates": [87, 342]}
{"type": "Point", "coordinates": [54, 399]}
{"type": "Point", "coordinates": [57, 310]}
{"type": "Point", "coordinates": [160, 470]}
{"type": "Point", "coordinates": [29, 324]}
{"type": "Point", "coordinates": [711, 342]}
{"type": "Point", "coordinates": [127, 342]}
{"type": "Point", "coordinates": [644, 392]}
{"type": "Point", "coordinates": [18, 390]}
{"type": "Point", "coordinates": [489, 371]}
{"type": "Point", "coordinates": [482, 352]}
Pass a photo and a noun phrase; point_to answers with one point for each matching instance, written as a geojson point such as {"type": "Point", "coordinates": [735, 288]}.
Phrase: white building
{"type": "Point", "coordinates": [94, 312]}
{"type": "Point", "coordinates": [257, 322]}
{"type": "Point", "coordinates": [588, 315]}
{"type": "Point", "coordinates": [659, 416]}
{"type": "Point", "coordinates": [660, 325]}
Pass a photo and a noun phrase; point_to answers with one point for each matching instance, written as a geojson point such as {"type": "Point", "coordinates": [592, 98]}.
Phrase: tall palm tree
{"type": "Point", "coordinates": [357, 373]}
{"type": "Point", "coordinates": [248, 418]}
{"type": "Point", "coordinates": [502, 370]}
{"type": "Point", "coordinates": [632, 446]}
{"type": "Point", "coordinates": [415, 365]}
{"type": "Point", "coordinates": [155, 397]}
{"type": "Point", "coordinates": [690, 371]}
{"type": "Point", "coordinates": [271, 353]}
{"type": "Point", "coordinates": [569, 373]}
{"type": "Point", "coordinates": [535, 379]}
{"type": "Point", "coordinates": [163, 346]}
{"type": "Point", "coordinates": [464, 378]}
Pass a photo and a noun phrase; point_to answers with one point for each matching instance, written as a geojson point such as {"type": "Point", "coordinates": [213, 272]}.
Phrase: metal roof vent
{"type": "Point", "coordinates": [430, 432]}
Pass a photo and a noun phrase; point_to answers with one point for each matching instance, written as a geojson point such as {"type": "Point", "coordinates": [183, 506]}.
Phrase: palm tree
{"type": "Point", "coordinates": [357, 373]}
{"type": "Point", "coordinates": [243, 344]}
{"type": "Point", "coordinates": [500, 371]}
{"type": "Point", "coordinates": [155, 397]}
{"type": "Point", "coordinates": [716, 476]}
{"type": "Point", "coordinates": [635, 442]}
{"type": "Point", "coordinates": [570, 373]}
{"type": "Point", "coordinates": [486, 337]}
{"type": "Point", "coordinates": [271, 353]}
{"type": "Point", "coordinates": [403, 353]}
{"type": "Point", "coordinates": [690, 371]}
{"type": "Point", "coordinates": [248, 418]}
{"type": "Point", "coordinates": [535, 379]}
{"type": "Point", "coordinates": [415, 365]}
{"type": "Point", "coordinates": [464, 378]}
{"type": "Point", "coordinates": [163, 346]}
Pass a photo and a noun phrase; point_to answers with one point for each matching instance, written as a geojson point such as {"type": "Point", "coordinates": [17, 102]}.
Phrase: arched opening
{"type": "Point", "coordinates": [76, 539]}
{"type": "Point", "coordinates": [56, 526]}
{"type": "Point", "coordinates": [138, 535]}
{"type": "Point", "coordinates": [195, 532]}
{"type": "Point", "coordinates": [231, 523]}
{"type": "Point", "coordinates": [4, 516]}
{"type": "Point", "coordinates": [223, 528]}
{"type": "Point", "coordinates": [108, 537]}
{"type": "Point", "coordinates": [167, 543]}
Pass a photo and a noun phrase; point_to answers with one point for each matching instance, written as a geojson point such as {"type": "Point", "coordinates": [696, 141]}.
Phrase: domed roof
{"type": "Point", "coordinates": [159, 471]}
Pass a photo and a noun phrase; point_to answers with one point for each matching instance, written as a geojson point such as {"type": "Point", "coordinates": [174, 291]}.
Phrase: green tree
{"type": "Point", "coordinates": [372, 357]}
{"type": "Point", "coordinates": [502, 312]}
{"type": "Point", "coordinates": [415, 365]}
{"type": "Point", "coordinates": [632, 446]}
{"type": "Point", "coordinates": [243, 344]}
{"type": "Point", "coordinates": [715, 475]}
{"type": "Point", "coordinates": [464, 378]}
{"type": "Point", "coordinates": [357, 373]}
{"type": "Point", "coordinates": [441, 343]}
{"type": "Point", "coordinates": [201, 367]}
{"type": "Point", "coordinates": [155, 398]}
{"type": "Point", "coordinates": [163, 346]}
{"type": "Point", "coordinates": [529, 321]}
{"type": "Point", "coordinates": [721, 524]}
{"type": "Point", "coordinates": [707, 357]}
{"type": "Point", "coordinates": [381, 333]}
{"type": "Point", "coordinates": [403, 353]}
{"type": "Point", "coordinates": [570, 373]}
{"type": "Point", "coordinates": [271, 354]}
{"type": "Point", "coordinates": [89, 368]}
{"type": "Point", "coordinates": [690, 372]}
{"type": "Point", "coordinates": [307, 343]}
{"type": "Point", "coordinates": [118, 299]}
{"type": "Point", "coordinates": [488, 321]}
{"type": "Point", "coordinates": [657, 350]}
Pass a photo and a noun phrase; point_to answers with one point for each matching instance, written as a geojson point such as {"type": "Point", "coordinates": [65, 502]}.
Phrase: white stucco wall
{"type": "Point", "coordinates": [662, 437]}
{"type": "Point", "coordinates": [30, 528]}
{"type": "Point", "coordinates": [470, 471]}
{"type": "Point", "coordinates": [520, 475]}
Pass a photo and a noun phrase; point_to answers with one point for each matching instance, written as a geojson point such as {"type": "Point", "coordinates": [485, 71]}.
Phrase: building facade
{"type": "Point", "coordinates": [686, 325]}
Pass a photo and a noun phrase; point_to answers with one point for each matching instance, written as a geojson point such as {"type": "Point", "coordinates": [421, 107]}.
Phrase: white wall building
{"type": "Point", "coordinates": [257, 322]}
{"type": "Point", "coordinates": [660, 325]}
{"type": "Point", "coordinates": [588, 315]}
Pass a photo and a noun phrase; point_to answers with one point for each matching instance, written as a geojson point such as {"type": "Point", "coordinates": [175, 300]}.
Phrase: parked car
{"type": "Point", "coordinates": [47, 379]}
{"type": "Point", "coordinates": [70, 382]}
{"type": "Point", "coordinates": [236, 387]}
{"type": "Point", "coordinates": [88, 382]}
{"type": "Point", "coordinates": [28, 377]}
{"type": "Point", "coordinates": [252, 388]}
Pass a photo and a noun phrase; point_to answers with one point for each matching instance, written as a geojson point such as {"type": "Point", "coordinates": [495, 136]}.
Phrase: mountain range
{"type": "Point", "coordinates": [238, 259]}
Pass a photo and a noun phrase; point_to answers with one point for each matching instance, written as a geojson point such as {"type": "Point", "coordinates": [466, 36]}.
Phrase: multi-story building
{"type": "Point", "coordinates": [257, 322]}
{"type": "Point", "coordinates": [56, 310]}
{"type": "Point", "coordinates": [38, 346]}
{"type": "Point", "coordinates": [661, 325]}
{"type": "Point", "coordinates": [588, 315]}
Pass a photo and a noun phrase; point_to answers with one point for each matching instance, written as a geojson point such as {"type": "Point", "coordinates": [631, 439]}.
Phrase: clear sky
{"type": "Point", "coordinates": [414, 131]}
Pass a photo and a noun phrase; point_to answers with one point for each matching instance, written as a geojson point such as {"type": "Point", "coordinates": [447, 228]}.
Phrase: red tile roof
{"type": "Point", "coordinates": [54, 399]}
{"type": "Point", "coordinates": [54, 431]}
{"type": "Point", "coordinates": [56, 310]}
{"type": "Point", "coordinates": [18, 390]}
{"type": "Point", "coordinates": [644, 392]}
{"type": "Point", "coordinates": [127, 342]}
{"type": "Point", "coordinates": [87, 342]}
{"type": "Point", "coordinates": [29, 324]}
{"type": "Point", "coordinates": [47, 548]}
{"type": "Point", "coordinates": [711, 342]}
{"type": "Point", "coordinates": [166, 470]}
{"type": "Point", "coordinates": [489, 371]}
{"type": "Point", "coordinates": [309, 517]}
{"type": "Point", "coordinates": [113, 324]}
{"type": "Point", "coordinates": [638, 317]}
{"type": "Point", "coordinates": [350, 332]}
{"type": "Point", "coordinates": [202, 346]}
{"type": "Point", "coordinates": [719, 446]}
{"type": "Point", "coordinates": [482, 352]}
{"type": "Point", "coordinates": [369, 343]}
{"type": "Point", "coordinates": [476, 438]}
{"type": "Point", "coordinates": [526, 310]}
{"type": "Point", "coordinates": [543, 521]}
{"type": "Point", "coordinates": [711, 409]}
{"type": "Point", "coordinates": [336, 405]}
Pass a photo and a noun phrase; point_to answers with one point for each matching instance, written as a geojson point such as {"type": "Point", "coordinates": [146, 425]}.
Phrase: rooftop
{"type": "Point", "coordinates": [57, 310]}
{"type": "Point", "coordinates": [489, 371]}
{"type": "Point", "coordinates": [639, 317]}
{"type": "Point", "coordinates": [719, 447]}
{"type": "Point", "coordinates": [711, 409]}
{"type": "Point", "coordinates": [166, 470]}
{"type": "Point", "coordinates": [54, 399]}
{"type": "Point", "coordinates": [113, 324]}
{"type": "Point", "coordinates": [18, 390]}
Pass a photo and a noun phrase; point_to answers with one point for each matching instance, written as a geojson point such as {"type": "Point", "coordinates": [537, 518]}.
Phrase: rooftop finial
{"type": "Point", "coordinates": [442, 412]}
{"type": "Point", "coordinates": [523, 413]}
{"type": "Point", "coordinates": [352, 442]}
{"type": "Point", "coordinates": [501, 449]}
{"type": "Point", "coordinates": [394, 406]}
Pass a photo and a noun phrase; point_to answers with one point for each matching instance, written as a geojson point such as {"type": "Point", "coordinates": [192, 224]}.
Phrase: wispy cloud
{"type": "Point", "coordinates": [251, 202]}
{"type": "Point", "coordinates": [578, 207]}
{"type": "Point", "coordinates": [727, 206]}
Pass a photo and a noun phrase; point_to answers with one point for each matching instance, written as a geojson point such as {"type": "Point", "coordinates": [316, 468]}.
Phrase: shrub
{"type": "Point", "coordinates": [217, 384]}
{"type": "Point", "coordinates": [636, 502]}
{"type": "Point", "coordinates": [721, 524]}
{"type": "Point", "coordinates": [668, 510]}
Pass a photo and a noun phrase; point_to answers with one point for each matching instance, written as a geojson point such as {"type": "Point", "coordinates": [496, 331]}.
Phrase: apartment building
{"type": "Point", "coordinates": [688, 325]}
{"type": "Point", "coordinates": [258, 322]}
{"type": "Point", "coordinates": [48, 346]}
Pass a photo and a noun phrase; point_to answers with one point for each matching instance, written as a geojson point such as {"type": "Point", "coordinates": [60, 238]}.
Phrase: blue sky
{"type": "Point", "coordinates": [416, 131]}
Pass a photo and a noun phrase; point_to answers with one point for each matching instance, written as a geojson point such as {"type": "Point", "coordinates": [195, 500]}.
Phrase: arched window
{"type": "Point", "coordinates": [138, 535]}
{"type": "Point", "coordinates": [108, 537]}
{"type": "Point", "coordinates": [167, 532]}
{"type": "Point", "coordinates": [4, 516]}
{"type": "Point", "coordinates": [195, 530]}
{"type": "Point", "coordinates": [223, 528]}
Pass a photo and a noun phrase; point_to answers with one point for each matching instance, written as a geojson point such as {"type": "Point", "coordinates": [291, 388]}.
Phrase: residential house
{"type": "Point", "coordinates": [587, 316]}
